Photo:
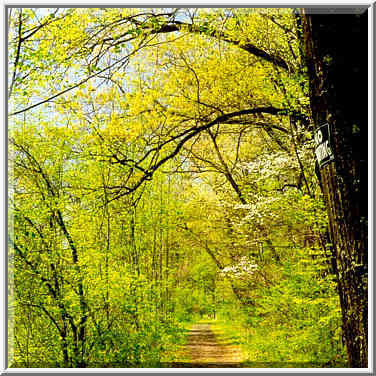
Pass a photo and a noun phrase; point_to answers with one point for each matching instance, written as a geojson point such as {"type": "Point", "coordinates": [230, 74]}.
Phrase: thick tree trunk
{"type": "Point", "coordinates": [336, 54]}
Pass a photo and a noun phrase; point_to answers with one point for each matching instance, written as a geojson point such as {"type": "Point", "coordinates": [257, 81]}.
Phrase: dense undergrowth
{"type": "Point", "coordinates": [294, 323]}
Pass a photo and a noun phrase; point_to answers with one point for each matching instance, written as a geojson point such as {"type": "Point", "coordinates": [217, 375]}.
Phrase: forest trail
{"type": "Point", "coordinates": [204, 350]}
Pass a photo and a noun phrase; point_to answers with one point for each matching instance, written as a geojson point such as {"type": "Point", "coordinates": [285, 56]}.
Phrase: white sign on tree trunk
{"type": "Point", "coordinates": [323, 151]}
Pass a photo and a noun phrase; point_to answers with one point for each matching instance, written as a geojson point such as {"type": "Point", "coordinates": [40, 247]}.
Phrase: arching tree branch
{"type": "Point", "coordinates": [188, 135]}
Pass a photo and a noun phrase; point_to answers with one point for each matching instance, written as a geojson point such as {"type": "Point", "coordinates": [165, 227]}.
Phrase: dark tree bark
{"type": "Point", "coordinates": [336, 56]}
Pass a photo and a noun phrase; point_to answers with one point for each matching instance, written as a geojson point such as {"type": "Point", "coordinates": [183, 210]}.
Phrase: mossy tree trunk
{"type": "Point", "coordinates": [336, 55]}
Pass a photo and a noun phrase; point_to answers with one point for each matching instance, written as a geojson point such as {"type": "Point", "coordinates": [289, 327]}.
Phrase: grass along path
{"type": "Point", "coordinates": [208, 347]}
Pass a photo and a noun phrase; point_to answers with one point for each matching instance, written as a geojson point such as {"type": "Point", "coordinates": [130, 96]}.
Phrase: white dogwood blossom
{"type": "Point", "coordinates": [243, 268]}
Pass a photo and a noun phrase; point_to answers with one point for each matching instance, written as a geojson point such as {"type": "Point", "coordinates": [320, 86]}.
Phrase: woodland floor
{"type": "Point", "coordinates": [205, 350]}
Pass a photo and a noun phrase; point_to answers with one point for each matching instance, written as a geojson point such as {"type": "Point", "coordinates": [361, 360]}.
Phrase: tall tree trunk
{"type": "Point", "coordinates": [336, 55]}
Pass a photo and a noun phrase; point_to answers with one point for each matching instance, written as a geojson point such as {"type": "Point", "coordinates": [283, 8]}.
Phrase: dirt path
{"type": "Point", "coordinates": [204, 350]}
